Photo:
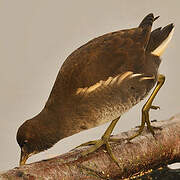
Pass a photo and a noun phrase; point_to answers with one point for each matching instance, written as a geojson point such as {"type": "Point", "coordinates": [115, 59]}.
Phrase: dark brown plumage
{"type": "Point", "coordinates": [97, 83]}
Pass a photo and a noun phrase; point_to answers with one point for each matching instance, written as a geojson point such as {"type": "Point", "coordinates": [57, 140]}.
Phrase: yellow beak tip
{"type": "Point", "coordinates": [23, 158]}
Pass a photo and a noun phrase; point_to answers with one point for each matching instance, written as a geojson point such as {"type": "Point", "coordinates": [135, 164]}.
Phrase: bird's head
{"type": "Point", "coordinates": [33, 137]}
{"type": "Point", "coordinates": [27, 140]}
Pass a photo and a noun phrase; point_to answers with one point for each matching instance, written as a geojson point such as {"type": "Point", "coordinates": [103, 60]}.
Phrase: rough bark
{"type": "Point", "coordinates": [140, 155]}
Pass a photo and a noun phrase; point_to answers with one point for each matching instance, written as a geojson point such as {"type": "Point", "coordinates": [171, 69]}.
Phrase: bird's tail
{"type": "Point", "coordinates": [146, 25]}
{"type": "Point", "coordinates": [159, 39]}
{"type": "Point", "coordinates": [148, 21]}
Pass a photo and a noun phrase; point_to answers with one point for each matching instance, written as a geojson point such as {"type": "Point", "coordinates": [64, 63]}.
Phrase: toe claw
{"type": "Point", "coordinates": [155, 107]}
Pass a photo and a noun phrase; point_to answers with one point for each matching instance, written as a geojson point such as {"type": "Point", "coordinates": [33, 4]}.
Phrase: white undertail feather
{"type": "Point", "coordinates": [160, 49]}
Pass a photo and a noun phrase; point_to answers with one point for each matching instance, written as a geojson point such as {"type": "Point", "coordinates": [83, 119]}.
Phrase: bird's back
{"type": "Point", "coordinates": [103, 57]}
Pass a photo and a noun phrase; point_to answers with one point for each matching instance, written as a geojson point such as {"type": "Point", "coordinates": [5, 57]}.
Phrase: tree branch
{"type": "Point", "coordinates": [140, 155]}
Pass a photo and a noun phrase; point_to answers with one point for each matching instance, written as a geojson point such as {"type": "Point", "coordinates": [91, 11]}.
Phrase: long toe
{"type": "Point", "coordinates": [87, 143]}
{"type": "Point", "coordinates": [109, 150]}
{"type": "Point", "coordinates": [139, 132]}
{"type": "Point", "coordinates": [97, 145]}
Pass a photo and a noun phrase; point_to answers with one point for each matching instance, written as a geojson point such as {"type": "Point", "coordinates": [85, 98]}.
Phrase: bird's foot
{"type": "Point", "coordinates": [145, 119]}
{"type": "Point", "coordinates": [152, 128]}
{"type": "Point", "coordinates": [97, 144]}
{"type": "Point", "coordinates": [105, 139]}
{"type": "Point", "coordinates": [140, 130]}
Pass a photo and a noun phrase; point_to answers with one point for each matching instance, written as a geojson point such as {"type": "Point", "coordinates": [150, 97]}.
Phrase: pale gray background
{"type": "Point", "coordinates": [36, 36]}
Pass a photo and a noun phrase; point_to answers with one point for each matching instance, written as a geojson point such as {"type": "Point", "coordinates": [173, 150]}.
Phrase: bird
{"type": "Point", "coordinates": [98, 83]}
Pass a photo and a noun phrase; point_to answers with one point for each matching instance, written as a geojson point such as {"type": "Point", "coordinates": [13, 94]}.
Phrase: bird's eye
{"type": "Point", "coordinates": [25, 142]}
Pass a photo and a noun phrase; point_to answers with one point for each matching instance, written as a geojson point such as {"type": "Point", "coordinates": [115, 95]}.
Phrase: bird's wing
{"type": "Point", "coordinates": [104, 57]}
{"type": "Point", "coordinates": [114, 82]}
{"type": "Point", "coordinates": [120, 93]}
{"type": "Point", "coordinates": [101, 59]}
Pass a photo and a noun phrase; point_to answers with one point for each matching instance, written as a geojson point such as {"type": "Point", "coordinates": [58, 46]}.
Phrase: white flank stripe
{"type": "Point", "coordinates": [108, 81]}
{"type": "Point", "coordinates": [124, 76]}
{"type": "Point", "coordinates": [135, 75]}
{"type": "Point", "coordinates": [118, 79]}
{"type": "Point", "coordinates": [147, 78]}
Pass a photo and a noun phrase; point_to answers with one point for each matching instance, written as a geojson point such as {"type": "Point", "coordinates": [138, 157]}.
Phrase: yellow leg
{"type": "Point", "coordinates": [103, 141]}
{"type": "Point", "coordinates": [148, 105]}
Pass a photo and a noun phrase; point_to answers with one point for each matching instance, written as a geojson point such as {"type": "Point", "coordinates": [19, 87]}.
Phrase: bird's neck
{"type": "Point", "coordinates": [49, 120]}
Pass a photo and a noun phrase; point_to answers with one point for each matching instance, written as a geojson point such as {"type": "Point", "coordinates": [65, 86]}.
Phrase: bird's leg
{"type": "Point", "coordinates": [148, 105]}
{"type": "Point", "coordinates": [103, 141]}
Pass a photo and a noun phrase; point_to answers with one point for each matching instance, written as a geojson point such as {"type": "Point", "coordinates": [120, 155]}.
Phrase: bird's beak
{"type": "Point", "coordinates": [24, 157]}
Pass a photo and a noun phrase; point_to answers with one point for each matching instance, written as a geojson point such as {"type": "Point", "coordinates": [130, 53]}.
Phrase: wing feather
{"type": "Point", "coordinates": [104, 84]}
{"type": "Point", "coordinates": [112, 83]}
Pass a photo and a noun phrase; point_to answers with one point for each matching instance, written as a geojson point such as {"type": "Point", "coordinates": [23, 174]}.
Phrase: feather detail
{"type": "Point", "coordinates": [103, 84]}
{"type": "Point", "coordinates": [147, 78]}
{"type": "Point", "coordinates": [111, 81]}
{"type": "Point", "coordinates": [160, 49]}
